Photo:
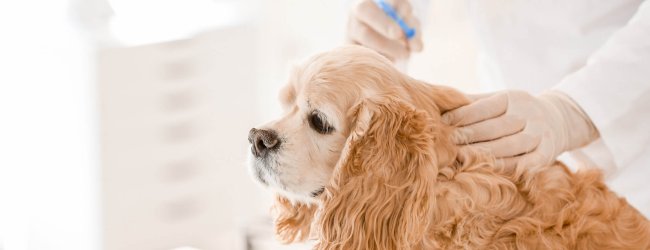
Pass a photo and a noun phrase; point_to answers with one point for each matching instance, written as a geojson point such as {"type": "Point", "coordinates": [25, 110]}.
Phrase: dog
{"type": "Point", "coordinates": [362, 160]}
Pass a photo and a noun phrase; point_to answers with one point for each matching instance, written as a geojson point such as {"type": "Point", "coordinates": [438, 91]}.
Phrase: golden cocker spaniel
{"type": "Point", "coordinates": [361, 160]}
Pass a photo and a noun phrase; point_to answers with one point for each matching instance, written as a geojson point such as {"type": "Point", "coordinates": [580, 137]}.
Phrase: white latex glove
{"type": "Point", "coordinates": [521, 129]}
{"type": "Point", "coordinates": [369, 26]}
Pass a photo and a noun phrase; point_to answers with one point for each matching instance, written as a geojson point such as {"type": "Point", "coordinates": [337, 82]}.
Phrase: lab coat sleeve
{"type": "Point", "coordinates": [613, 89]}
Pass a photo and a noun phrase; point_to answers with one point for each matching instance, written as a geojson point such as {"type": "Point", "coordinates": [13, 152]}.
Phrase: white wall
{"type": "Point", "coordinates": [48, 140]}
{"type": "Point", "coordinates": [450, 51]}
{"type": "Point", "coordinates": [174, 123]}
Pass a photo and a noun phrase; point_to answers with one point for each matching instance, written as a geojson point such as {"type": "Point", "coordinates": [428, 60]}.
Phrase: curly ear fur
{"type": "Point", "coordinates": [293, 220]}
{"type": "Point", "coordinates": [380, 196]}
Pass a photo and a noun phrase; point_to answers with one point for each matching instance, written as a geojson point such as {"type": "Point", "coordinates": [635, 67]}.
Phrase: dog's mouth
{"type": "Point", "coordinates": [259, 175]}
{"type": "Point", "coordinates": [262, 169]}
{"type": "Point", "coordinates": [317, 192]}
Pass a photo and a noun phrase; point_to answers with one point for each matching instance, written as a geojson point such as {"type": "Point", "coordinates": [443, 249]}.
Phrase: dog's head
{"type": "Point", "coordinates": [358, 145]}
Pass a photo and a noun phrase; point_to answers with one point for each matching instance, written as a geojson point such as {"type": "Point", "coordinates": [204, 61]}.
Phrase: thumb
{"type": "Point", "coordinates": [475, 97]}
{"type": "Point", "coordinates": [533, 161]}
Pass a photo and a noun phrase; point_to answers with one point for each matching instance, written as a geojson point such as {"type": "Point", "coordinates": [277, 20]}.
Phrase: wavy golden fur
{"type": "Point", "coordinates": [397, 183]}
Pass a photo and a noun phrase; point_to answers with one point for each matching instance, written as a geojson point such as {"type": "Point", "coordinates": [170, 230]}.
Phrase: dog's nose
{"type": "Point", "coordinates": [262, 141]}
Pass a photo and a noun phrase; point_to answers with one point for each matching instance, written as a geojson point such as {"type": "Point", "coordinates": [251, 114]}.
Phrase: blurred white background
{"type": "Point", "coordinates": [123, 123]}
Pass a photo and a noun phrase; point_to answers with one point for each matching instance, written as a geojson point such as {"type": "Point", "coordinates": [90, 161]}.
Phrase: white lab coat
{"type": "Point", "coordinates": [597, 52]}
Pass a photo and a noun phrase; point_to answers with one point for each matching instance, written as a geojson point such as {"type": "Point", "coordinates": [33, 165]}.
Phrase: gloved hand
{"type": "Point", "coordinates": [369, 26]}
{"type": "Point", "coordinates": [520, 129]}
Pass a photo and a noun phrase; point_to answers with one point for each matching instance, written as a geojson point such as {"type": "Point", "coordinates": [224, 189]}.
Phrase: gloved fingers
{"type": "Point", "coordinates": [360, 33]}
{"type": "Point", "coordinates": [415, 43]}
{"type": "Point", "coordinates": [405, 11]}
{"type": "Point", "coordinates": [527, 161]}
{"type": "Point", "coordinates": [490, 129]}
{"type": "Point", "coordinates": [574, 123]}
{"type": "Point", "coordinates": [402, 7]}
{"type": "Point", "coordinates": [508, 162]}
{"type": "Point", "coordinates": [477, 111]}
{"type": "Point", "coordinates": [475, 97]}
{"type": "Point", "coordinates": [537, 158]}
{"type": "Point", "coordinates": [508, 146]}
{"type": "Point", "coordinates": [532, 160]}
{"type": "Point", "coordinates": [370, 14]}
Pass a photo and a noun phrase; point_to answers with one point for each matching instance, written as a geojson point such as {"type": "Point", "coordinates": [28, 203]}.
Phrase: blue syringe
{"type": "Point", "coordinates": [408, 31]}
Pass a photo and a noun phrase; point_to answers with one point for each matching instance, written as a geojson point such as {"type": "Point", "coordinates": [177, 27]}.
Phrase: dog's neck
{"type": "Point", "coordinates": [436, 100]}
{"type": "Point", "coordinates": [454, 196]}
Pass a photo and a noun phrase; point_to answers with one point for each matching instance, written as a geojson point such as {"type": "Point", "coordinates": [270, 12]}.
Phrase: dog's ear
{"type": "Point", "coordinates": [380, 196]}
{"type": "Point", "coordinates": [292, 220]}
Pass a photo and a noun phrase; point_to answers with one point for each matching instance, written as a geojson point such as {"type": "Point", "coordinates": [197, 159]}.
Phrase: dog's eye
{"type": "Point", "coordinates": [317, 123]}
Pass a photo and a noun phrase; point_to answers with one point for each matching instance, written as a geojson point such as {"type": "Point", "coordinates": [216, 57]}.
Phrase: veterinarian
{"type": "Point", "coordinates": [577, 79]}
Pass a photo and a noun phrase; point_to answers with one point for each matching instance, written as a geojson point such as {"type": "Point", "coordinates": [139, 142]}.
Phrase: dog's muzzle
{"type": "Point", "coordinates": [263, 141]}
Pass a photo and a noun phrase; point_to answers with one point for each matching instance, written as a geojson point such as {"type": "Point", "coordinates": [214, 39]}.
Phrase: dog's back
{"type": "Point", "coordinates": [574, 211]}
{"type": "Point", "coordinates": [550, 208]}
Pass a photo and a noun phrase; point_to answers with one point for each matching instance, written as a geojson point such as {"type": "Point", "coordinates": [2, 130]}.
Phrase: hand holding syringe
{"type": "Point", "coordinates": [391, 30]}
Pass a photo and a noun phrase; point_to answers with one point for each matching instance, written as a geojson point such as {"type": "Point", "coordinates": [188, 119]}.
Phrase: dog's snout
{"type": "Point", "coordinates": [262, 141]}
